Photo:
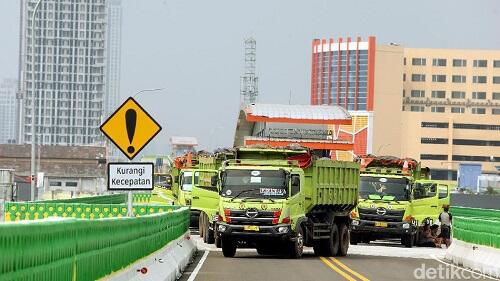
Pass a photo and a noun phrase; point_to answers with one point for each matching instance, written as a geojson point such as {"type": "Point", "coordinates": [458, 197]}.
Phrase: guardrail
{"type": "Point", "coordinates": [475, 212]}
{"type": "Point", "coordinates": [104, 199]}
{"type": "Point", "coordinates": [78, 249]}
{"type": "Point", "coordinates": [15, 211]}
{"type": "Point", "coordinates": [478, 226]}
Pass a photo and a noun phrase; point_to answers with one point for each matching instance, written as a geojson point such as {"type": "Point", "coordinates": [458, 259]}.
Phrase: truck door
{"type": "Point", "coordinates": [205, 197]}
{"type": "Point", "coordinates": [443, 197]}
{"type": "Point", "coordinates": [425, 201]}
{"type": "Point", "coordinates": [296, 200]}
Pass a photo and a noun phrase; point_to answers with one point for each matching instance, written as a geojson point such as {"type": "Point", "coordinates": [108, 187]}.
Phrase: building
{"type": "Point", "coordinates": [8, 111]}
{"type": "Point", "coordinates": [453, 99]}
{"type": "Point", "coordinates": [356, 74]}
{"type": "Point", "coordinates": [113, 57]}
{"type": "Point", "coordinates": [440, 106]}
{"type": "Point", "coordinates": [70, 73]}
{"type": "Point", "coordinates": [182, 145]}
{"type": "Point", "coordinates": [279, 125]}
{"type": "Point", "coordinates": [68, 169]}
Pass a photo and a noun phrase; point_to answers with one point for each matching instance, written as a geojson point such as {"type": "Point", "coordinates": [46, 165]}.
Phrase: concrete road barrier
{"type": "Point", "coordinates": [479, 258]}
{"type": "Point", "coordinates": [166, 264]}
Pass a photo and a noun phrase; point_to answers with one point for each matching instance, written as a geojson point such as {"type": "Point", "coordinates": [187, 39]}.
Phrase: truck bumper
{"type": "Point", "coordinates": [393, 229]}
{"type": "Point", "coordinates": [264, 233]}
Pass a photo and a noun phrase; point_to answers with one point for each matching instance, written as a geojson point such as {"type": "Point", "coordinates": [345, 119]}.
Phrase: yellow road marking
{"type": "Point", "coordinates": [346, 268]}
{"type": "Point", "coordinates": [336, 269]}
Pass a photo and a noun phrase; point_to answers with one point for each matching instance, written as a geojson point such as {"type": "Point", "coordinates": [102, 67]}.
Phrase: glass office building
{"type": "Point", "coordinates": [342, 73]}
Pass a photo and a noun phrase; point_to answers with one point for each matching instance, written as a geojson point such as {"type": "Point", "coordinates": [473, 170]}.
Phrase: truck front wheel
{"type": "Point", "coordinates": [296, 248]}
{"type": "Point", "coordinates": [228, 247]}
{"type": "Point", "coordinates": [344, 240]}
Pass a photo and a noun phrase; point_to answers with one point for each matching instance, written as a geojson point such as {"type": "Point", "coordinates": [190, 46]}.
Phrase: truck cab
{"type": "Point", "coordinates": [394, 202]}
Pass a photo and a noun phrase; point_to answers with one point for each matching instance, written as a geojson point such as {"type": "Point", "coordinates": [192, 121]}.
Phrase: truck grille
{"type": "Point", "coordinates": [260, 218]}
{"type": "Point", "coordinates": [378, 214]}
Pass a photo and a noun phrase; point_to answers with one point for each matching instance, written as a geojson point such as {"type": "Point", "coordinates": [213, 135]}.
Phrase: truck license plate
{"type": "Point", "coordinates": [380, 224]}
{"type": "Point", "coordinates": [251, 227]}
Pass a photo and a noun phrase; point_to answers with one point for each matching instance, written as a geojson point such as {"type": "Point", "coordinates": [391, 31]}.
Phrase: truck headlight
{"type": "Point", "coordinates": [406, 225]}
{"type": "Point", "coordinates": [283, 229]}
{"type": "Point", "coordinates": [355, 222]}
{"type": "Point", "coordinates": [221, 228]}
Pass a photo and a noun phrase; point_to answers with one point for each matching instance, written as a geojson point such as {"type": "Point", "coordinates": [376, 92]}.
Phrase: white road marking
{"type": "Point", "coordinates": [198, 266]}
{"type": "Point", "coordinates": [464, 269]}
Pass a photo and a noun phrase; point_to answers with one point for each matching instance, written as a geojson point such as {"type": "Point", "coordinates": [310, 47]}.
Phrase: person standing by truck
{"type": "Point", "coordinates": [446, 219]}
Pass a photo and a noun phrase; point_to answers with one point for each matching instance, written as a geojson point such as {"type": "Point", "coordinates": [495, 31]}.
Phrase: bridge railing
{"type": "Point", "coordinates": [142, 197]}
{"type": "Point", "coordinates": [478, 226]}
{"type": "Point", "coordinates": [80, 249]}
{"type": "Point", "coordinates": [15, 211]}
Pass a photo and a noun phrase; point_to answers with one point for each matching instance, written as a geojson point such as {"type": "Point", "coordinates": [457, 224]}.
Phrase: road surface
{"type": "Point", "coordinates": [379, 261]}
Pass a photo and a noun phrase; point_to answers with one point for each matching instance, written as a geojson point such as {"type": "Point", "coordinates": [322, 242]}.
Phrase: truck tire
{"type": "Point", "coordinates": [328, 247]}
{"type": "Point", "coordinates": [408, 240]}
{"type": "Point", "coordinates": [218, 243]}
{"type": "Point", "coordinates": [344, 238]}
{"type": "Point", "coordinates": [228, 247]}
{"type": "Point", "coordinates": [296, 248]}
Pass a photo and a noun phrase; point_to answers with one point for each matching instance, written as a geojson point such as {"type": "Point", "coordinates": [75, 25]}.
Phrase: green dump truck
{"type": "Point", "coordinates": [280, 200]}
{"type": "Point", "coordinates": [396, 197]}
{"type": "Point", "coordinates": [195, 170]}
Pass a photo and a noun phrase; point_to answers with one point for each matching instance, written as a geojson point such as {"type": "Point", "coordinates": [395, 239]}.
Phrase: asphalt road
{"type": "Point", "coordinates": [248, 265]}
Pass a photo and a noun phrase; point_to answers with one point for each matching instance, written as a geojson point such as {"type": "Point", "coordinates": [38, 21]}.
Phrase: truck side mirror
{"type": "Point", "coordinates": [213, 180]}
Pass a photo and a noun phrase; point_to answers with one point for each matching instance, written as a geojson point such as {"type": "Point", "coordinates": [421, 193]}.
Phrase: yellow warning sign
{"type": "Point", "coordinates": [130, 128]}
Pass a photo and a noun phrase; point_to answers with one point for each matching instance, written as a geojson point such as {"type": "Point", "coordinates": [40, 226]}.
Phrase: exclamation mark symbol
{"type": "Point", "coordinates": [130, 120]}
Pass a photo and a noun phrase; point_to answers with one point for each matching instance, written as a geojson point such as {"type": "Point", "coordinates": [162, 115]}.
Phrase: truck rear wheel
{"type": "Point", "coordinates": [218, 243]}
{"type": "Point", "coordinates": [228, 247]}
{"type": "Point", "coordinates": [343, 240]}
{"type": "Point", "coordinates": [296, 248]}
{"type": "Point", "coordinates": [328, 247]}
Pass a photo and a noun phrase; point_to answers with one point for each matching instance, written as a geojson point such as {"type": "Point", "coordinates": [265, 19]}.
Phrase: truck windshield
{"type": "Point", "coordinates": [254, 184]}
{"type": "Point", "coordinates": [383, 188]}
{"type": "Point", "coordinates": [187, 181]}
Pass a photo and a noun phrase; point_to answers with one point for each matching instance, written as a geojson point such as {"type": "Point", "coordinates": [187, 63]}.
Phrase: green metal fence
{"type": "Point", "coordinates": [102, 199]}
{"type": "Point", "coordinates": [142, 197]}
{"type": "Point", "coordinates": [15, 211]}
{"type": "Point", "coordinates": [478, 226]}
{"type": "Point", "coordinates": [475, 213]}
{"type": "Point", "coordinates": [78, 249]}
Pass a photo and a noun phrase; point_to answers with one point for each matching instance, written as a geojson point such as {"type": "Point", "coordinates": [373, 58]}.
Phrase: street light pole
{"type": "Point", "coordinates": [130, 199]}
{"type": "Point", "coordinates": [33, 122]}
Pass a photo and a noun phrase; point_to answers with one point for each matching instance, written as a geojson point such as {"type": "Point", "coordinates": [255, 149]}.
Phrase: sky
{"type": "Point", "coordinates": [194, 49]}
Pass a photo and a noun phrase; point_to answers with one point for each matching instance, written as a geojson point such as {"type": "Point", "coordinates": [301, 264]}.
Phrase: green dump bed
{"type": "Point", "coordinates": [332, 184]}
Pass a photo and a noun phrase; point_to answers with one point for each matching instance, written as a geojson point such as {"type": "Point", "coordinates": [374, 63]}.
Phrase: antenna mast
{"type": "Point", "coordinates": [249, 82]}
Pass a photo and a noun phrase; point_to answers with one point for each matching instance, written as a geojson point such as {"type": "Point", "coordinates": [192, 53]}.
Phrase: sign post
{"type": "Point", "coordinates": [130, 128]}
